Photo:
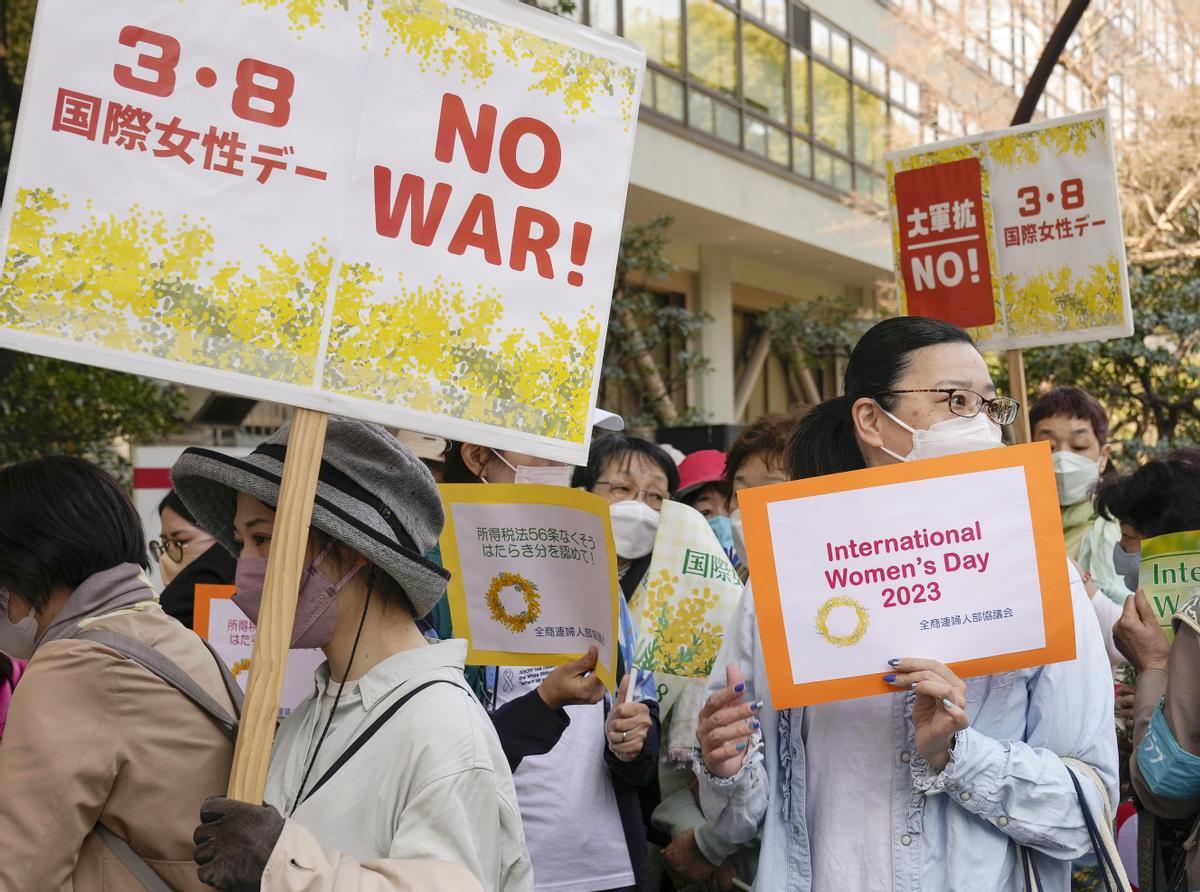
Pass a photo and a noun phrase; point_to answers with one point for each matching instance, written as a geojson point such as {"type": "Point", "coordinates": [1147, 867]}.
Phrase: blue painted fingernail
{"type": "Point", "coordinates": [755, 707]}
{"type": "Point", "coordinates": [947, 704]}
{"type": "Point", "coordinates": [894, 662]}
{"type": "Point", "coordinates": [739, 687]}
{"type": "Point", "coordinates": [740, 747]}
{"type": "Point", "coordinates": [890, 678]}
{"type": "Point", "coordinates": [755, 724]}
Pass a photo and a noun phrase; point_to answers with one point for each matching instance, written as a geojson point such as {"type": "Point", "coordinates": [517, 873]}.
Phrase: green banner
{"type": "Point", "coordinates": [1170, 573]}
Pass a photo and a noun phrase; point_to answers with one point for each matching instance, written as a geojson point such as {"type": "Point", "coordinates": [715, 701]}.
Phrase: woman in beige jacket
{"type": "Point", "coordinates": [95, 746]}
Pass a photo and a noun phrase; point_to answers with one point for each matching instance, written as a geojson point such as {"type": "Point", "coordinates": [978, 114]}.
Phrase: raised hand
{"type": "Point", "coordinates": [573, 684]}
{"type": "Point", "coordinates": [726, 724]}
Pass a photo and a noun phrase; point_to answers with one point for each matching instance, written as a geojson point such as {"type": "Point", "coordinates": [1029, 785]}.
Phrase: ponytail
{"type": "Point", "coordinates": [824, 441]}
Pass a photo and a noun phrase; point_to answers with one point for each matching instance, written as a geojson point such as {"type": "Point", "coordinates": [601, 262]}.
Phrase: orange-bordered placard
{"type": "Point", "coordinates": [205, 595]}
{"type": "Point", "coordinates": [843, 567]}
{"type": "Point", "coordinates": [533, 574]}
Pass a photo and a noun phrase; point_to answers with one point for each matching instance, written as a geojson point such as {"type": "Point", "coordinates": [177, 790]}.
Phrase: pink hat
{"type": "Point", "coordinates": [700, 469]}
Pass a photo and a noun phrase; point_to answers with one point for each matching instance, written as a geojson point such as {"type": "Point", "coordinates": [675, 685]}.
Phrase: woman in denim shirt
{"type": "Point", "coordinates": [937, 786]}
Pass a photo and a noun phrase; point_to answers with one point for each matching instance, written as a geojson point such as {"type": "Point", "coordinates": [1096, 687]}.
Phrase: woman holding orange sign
{"type": "Point", "coordinates": [946, 784]}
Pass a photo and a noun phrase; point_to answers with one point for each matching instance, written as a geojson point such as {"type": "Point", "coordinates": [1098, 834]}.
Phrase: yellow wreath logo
{"type": "Point", "coordinates": [864, 620]}
{"type": "Point", "coordinates": [514, 622]}
{"type": "Point", "coordinates": [239, 667]}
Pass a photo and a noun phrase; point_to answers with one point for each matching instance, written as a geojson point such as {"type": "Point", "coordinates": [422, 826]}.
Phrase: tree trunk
{"type": "Point", "coordinates": [647, 370]}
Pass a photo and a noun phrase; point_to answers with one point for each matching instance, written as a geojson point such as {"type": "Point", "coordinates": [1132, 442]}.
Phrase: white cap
{"type": "Point", "coordinates": [676, 455]}
{"type": "Point", "coordinates": [607, 421]}
{"type": "Point", "coordinates": [422, 446]}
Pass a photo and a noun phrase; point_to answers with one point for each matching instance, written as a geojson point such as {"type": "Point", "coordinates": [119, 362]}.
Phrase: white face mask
{"type": "Point", "coordinates": [1076, 476]}
{"type": "Point", "coordinates": [739, 535]}
{"type": "Point", "coordinates": [634, 526]}
{"type": "Point", "coordinates": [547, 475]}
{"type": "Point", "coordinates": [550, 475]}
{"type": "Point", "coordinates": [950, 437]}
{"type": "Point", "coordinates": [16, 639]}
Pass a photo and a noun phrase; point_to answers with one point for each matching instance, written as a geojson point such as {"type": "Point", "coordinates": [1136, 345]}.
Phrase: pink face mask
{"type": "Point", "coordinates": [314, 605]}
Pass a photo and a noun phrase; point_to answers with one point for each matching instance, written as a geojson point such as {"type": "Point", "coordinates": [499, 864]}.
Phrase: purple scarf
{"type": "Point", "coordinates": [114, 589]}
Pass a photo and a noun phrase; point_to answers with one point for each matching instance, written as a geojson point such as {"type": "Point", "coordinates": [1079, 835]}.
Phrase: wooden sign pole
{"type": "Point", "coordinates": [1018, 391]}
{"type": "Point", "coordinates": [289, 545]}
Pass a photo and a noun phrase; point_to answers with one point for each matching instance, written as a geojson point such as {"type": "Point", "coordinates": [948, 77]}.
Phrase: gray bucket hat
{"type": "Point", "coordinates": [373, 495]}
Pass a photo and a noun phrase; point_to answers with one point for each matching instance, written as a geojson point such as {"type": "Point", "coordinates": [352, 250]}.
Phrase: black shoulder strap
{"type": "Point", "coordinates": [155, 662]}
{"type": "Point", "coordinates": [361, 740]}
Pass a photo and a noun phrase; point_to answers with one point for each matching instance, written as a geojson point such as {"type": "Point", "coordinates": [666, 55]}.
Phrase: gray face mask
{"type": "Point", "coordinates": [16, 639]}
{"type": "Point", "coordinates": [1127, 565]}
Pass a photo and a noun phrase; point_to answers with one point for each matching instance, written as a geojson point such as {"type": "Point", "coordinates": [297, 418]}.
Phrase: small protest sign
{"type": "Point", "coordinates": [406, 212]}
{"type": "Point", "coordinates": [685, 600]}
{"type": "Point", "coordinates": [231, 633]}
{"type": "Point", "coordinates": [533, 574]}
{"type": "Point", "coordinates": [1170, 573]}
{"type": "Point", "coordinates": [958, 559]}
{"type": "Point", "coordinates": [1015, 234]}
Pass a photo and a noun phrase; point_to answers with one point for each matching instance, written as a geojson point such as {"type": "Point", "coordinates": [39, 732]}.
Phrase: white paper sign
{"type": "Point", "coordinates": [983, 593]}
{"type": "Point", "coordinates": [1015, 234]}
{"type": "Point", "coordinates": [406, 211]}
{"type": "Point", "coordinates": [533, 574]}
{"type": "Point", "coordinates": [232, 635]}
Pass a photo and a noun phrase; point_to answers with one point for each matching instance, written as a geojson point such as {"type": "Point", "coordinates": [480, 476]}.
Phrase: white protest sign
{"type": "Point", "coordinates": [1014, 234]}
{"type": "Point", "coordinates": [405, 211]}
{"type": "Point", "coordinates": [958, 559]}
{"type": "Point", "coordinates": [533, 574]}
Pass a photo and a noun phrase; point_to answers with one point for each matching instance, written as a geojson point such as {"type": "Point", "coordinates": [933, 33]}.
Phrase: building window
{"type": "Point", "coordinates": [656, 26]}
{"type": "Point", "coordinates": [772, 79]}
{"type": "Point", "coordinates": [870, 128]}
{"type": "Point", "coordinates": [831, 107]}
{"type": "Point", "coordinates": [764, 62]}
{"type": "Point", "coordinates": [799, 91]}
{"type": "Point", "coordinates": [712, 45]}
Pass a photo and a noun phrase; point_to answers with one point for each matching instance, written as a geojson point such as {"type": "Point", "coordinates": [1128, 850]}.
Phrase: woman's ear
{"type": "Point", "coordinates": [475, 457]}
{"type": "Point", "coordinates": [868, 419]}
{"type": "Point", "coordinates": [1105, 454]}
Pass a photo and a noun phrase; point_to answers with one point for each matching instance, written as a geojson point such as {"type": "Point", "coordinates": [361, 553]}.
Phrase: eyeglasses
{"type": "Point", "coordinates": [172, 548]}
{"type": "Point", "coordinates": [623, 492]}
{"type": "Point", "coordinates": [968, 403]}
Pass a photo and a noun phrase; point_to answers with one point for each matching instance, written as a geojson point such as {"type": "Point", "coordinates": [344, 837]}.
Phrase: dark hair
{"type": "Point", "coordinates": [769, 434]}
{"type": "Point", "coordinates": [454, 469]}
{"type": "Point", "coordinates": [1162, 496]}
{"type": "Point", "coordinates": [1071, 402]}
{"type": "Point", "coordinates": [171, 500]}
{"type": "Point", "coordinates": [617, 448]}
{"type": "Point", "coordinates": [63, 520]}
{"type": "Point", "coordinates": [824, 441]}
{"type": "Point", "coordinates": [7, 669]}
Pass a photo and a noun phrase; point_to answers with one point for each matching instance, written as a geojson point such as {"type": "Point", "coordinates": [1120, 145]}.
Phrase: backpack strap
{"type": "Point", "coordinates": [141, 871]}
{"type": "Point", "coordinates": [370, 732]}
{"type": "Point", "coordinates": [156, 663]}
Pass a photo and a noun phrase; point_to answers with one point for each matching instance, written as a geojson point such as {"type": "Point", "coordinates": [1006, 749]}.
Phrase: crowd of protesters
{"type": "Point", "coordinates": [117, 723]}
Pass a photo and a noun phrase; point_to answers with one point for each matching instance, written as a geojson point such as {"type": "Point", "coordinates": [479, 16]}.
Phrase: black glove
{"type": "Point", "coordinates": [234, 842]}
